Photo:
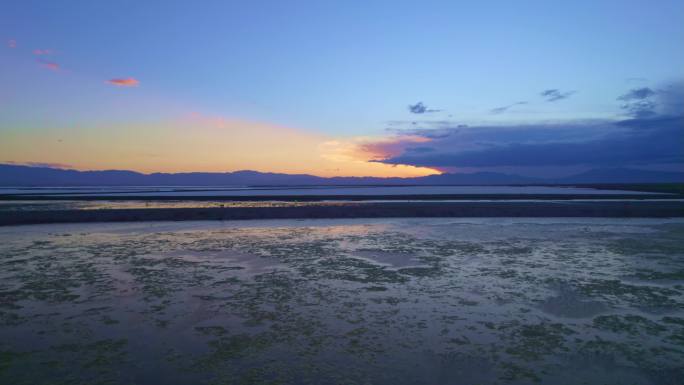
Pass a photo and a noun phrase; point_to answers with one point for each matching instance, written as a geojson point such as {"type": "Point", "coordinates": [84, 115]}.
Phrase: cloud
{"type": "Point", "coordinates": [11, 43]}
{"type": "Point", "coordinates": [636, 79]}
{"type": "Point", "coordinates": [554, 95]}
{"type": "Point", "coordinates": [671, 99]}
{"type": "Point", "coordinates": [49, 64]}
{"type": "Point", "coordinates": [647, 102]}
{"type": "Point", "coordinates": [389, 147]}
{"type": "Point", "coordinates": [637, 94]}
{"type": "Point", "coordinates": [420, 108]}
{"type": "Point", "coordinates": [420, 149]}
{"type": "Point", "coordinates": [40, 52]}
{"type": "Point", "coordinates": [502, 109]}
{"type": "Point", "coordinates": [640, 108]}
{"type": "Point", "coordinates": [652, 134]}
{"type": "Point", "coordinates": [39, 164]}
{"type": "Point", "coordinates": [124, 82]}
{"type": "Point", "coordinates": [635, 141]}
{"type": "Point", "coordinates": [638, 102]}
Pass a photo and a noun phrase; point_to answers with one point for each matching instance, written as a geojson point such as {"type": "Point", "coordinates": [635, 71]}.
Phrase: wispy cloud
{"type": "Point", "coordinates": [38, 164]}
{"type": "Point", "coordinates": [636, 79]}
{"type": "Point", "coordinates": [502, 109]}
{"type": "Point", "coordinates": [639, 102]}
{"type": "Point", "coordinates": [637, 94]}
{"type": "Point", "coordinates": [554, 95]}
{"type": "Point", "coordinates": [124, 82]}
{"type": "Point", "coordinates": [11, 43]}
{"type": "Point", "coordinates": [41, 52]}
{"type": "Point", "coordinates": [390, 147]}
{"type": "Point", "coordinates": [640, 108]}
{"type": "Point", "coordinates": [49, 64]}
{"type": "Point", "coordinates": [420, 108]}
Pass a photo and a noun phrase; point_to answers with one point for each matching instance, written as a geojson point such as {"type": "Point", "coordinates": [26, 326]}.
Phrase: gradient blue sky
{"type": "Point", "coordinates": [341, 70]}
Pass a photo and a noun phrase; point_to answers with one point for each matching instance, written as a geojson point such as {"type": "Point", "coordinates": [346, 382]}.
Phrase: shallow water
{"type": "Point", "coordinates": [48, 205]}
{"type": "Point", "coordinates": [181, 191]}
{"type": "Point", "coordinates": [39, 205]}
{"type": "Point", "coordinates": [402, 301]}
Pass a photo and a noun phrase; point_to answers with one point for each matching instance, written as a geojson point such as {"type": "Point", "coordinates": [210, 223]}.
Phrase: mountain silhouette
{"type": "Point", "coordinates": [18, 175]}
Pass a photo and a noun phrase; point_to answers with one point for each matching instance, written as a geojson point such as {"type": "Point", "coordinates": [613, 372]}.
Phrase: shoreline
{"type": "Point", "coordinates": [625, 209]}
{"type": "Point", "coordinates": [341, 197]}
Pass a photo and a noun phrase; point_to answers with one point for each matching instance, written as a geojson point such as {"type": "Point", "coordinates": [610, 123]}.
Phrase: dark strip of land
{"type": "Point", "coordinates": [643, 209]}
{"type": "Point", "coordinates": [318, 198]}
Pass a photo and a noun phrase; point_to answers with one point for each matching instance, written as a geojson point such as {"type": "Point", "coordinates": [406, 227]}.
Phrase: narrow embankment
{"type": "Point", "coordinates": [612, 209]}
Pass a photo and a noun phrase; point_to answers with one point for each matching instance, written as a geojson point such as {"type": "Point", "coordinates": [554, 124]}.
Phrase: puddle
{"type": "Point", "coordinates": [571, 304]}
{"type": "Point", "coordinates": [388, 258]}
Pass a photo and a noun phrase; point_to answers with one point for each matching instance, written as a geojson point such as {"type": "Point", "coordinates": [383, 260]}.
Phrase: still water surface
{"type": "Point", "coordinates": [181, 191]}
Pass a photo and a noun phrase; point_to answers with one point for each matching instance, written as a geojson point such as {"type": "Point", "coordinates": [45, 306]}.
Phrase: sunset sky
{"type": "Point", "coordinates": [376, 88]}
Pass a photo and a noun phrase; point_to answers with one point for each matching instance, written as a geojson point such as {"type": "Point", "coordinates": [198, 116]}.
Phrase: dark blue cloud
{"type": "Point", "coordinates": [554, 95]}
{"type": "Point", "coordinates": [639, 102]}
{"type": "Point", "coordinates": [652, 135]}
{"type": "Point", "coordinates": [640, 108]}
{"type": "Point", "coordinates": [421, 149]}
{"type": "Point", "coordinates": [645, 141]}
{"type": "Point", "coordinates": [420, 108]}
{"type": "Point", "coordinates": [502, 109]}
{"type": "Point", "coordinates": [637, 94]}
{"type": "Point", "coordinates": [647, 102]}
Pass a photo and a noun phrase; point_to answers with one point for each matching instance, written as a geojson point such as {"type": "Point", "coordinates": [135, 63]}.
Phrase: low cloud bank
{"type": "Point", "coordinates": [651, 133]}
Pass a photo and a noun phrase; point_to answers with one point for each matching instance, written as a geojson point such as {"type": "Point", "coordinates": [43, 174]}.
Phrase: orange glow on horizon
{"type": "Point", "coordinates": [199, 143]}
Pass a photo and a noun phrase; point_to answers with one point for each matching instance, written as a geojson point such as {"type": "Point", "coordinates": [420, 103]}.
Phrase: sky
{"type": "Point", "coordinates": [348, 88]}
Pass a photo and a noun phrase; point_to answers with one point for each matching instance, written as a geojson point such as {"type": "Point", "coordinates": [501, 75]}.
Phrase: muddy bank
{"type": "Point", "coordinates": [431, 301]}
{"type": "Point", "coordinates": [608, 209]}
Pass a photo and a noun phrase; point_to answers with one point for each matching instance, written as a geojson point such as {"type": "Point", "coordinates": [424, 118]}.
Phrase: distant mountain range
{"type": "Point", "coordinates": [16, 175]}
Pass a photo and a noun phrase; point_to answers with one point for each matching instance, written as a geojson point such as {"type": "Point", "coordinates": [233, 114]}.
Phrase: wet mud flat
{"type": "Point", "coordinates": [354, 301]}
{"type": "Point", "coordinates": [569, 208]}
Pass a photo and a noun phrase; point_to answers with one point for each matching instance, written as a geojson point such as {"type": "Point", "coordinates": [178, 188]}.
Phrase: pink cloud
{"type": "Point", "coordinates": [389, 147]}
{"type": "Point", "coordinates": [49, 64]}
{"type": "Point", "coordinates": [42, 52]}
{"type": "Point", "coordinates": [124, 82]}
{"type": "Point", "coordinates": [12, 43]}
